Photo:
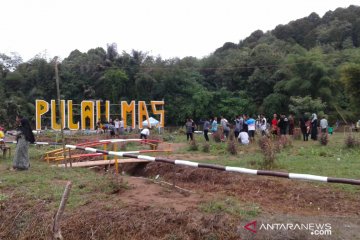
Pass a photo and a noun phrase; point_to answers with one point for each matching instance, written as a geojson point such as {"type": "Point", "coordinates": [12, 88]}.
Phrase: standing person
{"type": "Point", "coordinates": [206, 129]}
{"type": "Point", "coordinates": [214, 125]}
{"type": "Point", "coordinates": [323, 124]}
{"type": "Point", "coordinates": [314, 125]}
{"type": "Point", "coordinates": [274, 125]}
{"type": "Point", "coordinates": [282, 124]}
{"type": "Point", "coordinates": [117, 126]}
{"type": "Point", "coordinates": [251, 128]}
{"type": "Point", "coordinates": [24, 137]}
{"type": "Point", "coordinates": [225, 125]}
{"type": "Point", "coordinates": [291, 124]}
{"type": "Point", "coordinates": [303, 127]}
{"type": "Point", "coordinates": [245, 125]}
{"type": "Point", "coordinates": [263, 125]}
{"type": "Point", "coordinates": [189, 129]}
{"type": "Point", "coordinates": [238, 125]}
{"type": "Point", "coordinates": [193, 124]}
{"type": "Point", "coordinates": [121, 126]}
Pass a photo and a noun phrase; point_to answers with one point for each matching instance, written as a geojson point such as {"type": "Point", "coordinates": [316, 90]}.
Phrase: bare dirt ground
{"type": "Point", "coordinates": [150, 209]}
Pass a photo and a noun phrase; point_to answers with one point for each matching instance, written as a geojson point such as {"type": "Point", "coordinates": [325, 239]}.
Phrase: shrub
{"type": "Point", "coordinates": [206, 147]}
{"type": "Point", "coordinates": [123, 146]}
{"type": "Point", "coordinates": [232, 147]}
{"type": "Point", "coordinates": [324, 140]}
{"type": "Point", "coordinates": [351, 141]}
{"type": "Point", "coordinates": [282, 142]}
{"type": "Point", "coordinates": [193, 146]}
{"type": "Point", "coordinates": [232, 136]}
{"type": "Point", "coordinates": [217, 136]}
{"type": "Point", "coordinates": [268, 149]}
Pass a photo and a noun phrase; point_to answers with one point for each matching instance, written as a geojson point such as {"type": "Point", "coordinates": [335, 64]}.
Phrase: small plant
{"type": "Point", "coordinates": [206, 147]}
{"type": "Point", "coordinates": [117, 185]}
{"type": "Point", "coordinates": [324, 140]}
{"type": "Point", "coordinates": [268, 149]}
{"type": "Point", "coordinates": [217, 136]}
{"type": "Point", "coordinates": [193, 146]}
{"type": "Point", "coordinates": [232, 136]}
{"type": "Point", "coordinates": [168, 138]}
{"type": "Point", "coordinates": [281, 143]}
{"type": "Point", "coordinates": [232, 147]}
{"type": "Point", "coordinates": [123, 146]}
{"type": "Point", "coordinates": [351, 141]}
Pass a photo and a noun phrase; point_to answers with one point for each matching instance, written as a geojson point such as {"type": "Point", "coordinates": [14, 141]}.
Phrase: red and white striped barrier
{"type": "Point", "coordinates": [296, 176]}
{"type": "Point", "coordinates": [104, 141]}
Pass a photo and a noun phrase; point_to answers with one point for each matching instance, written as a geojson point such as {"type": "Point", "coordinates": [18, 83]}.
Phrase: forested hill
{"type": "Point", "coordinates": [310, 64]}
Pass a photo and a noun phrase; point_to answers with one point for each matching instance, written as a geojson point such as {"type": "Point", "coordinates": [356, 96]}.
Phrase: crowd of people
{"type": "Point", "coordinates": [245, 127]}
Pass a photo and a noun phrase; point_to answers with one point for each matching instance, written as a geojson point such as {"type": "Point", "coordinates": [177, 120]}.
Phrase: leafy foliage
{"type": "Point", "coordinates": [310, 64]}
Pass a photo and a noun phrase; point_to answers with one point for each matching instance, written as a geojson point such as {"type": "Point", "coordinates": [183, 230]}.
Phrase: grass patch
{"type": "Point", "coordinates": [230, 206]}
{"type": "Point", "coordinates": [47, 183]}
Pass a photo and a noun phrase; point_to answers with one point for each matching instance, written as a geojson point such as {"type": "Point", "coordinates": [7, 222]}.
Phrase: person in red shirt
{"type": "Point", "coordinates": [274, 125]}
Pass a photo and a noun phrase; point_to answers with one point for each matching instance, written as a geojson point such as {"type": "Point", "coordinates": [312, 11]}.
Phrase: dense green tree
{"type": "Point", "coordinates": [350, 75]}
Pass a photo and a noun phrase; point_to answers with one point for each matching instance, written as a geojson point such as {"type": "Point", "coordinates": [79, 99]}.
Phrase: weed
{"type": "Point", "coordinates": [193, 146]}
{"type": "Point", "coordinates": [351, 141]}
{"type": "Point", "coordinates": [206, 147]}
{"type": "Point", "coordinates": [232, 147]}
{"type": "Point", "coordinates": [217, 136]}
{"type": "Point", "coordinates": [268, 149]}
{"type": "Point", "coordinates": [123, 146]}
{"type": "Point", "coordinates": [231, 206]}
{"type": "Point", "coordinates": [324, 140]}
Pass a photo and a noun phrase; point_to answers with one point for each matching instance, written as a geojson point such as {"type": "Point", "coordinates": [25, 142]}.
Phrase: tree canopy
{"type": "Point", "coordinates": [312, 60]}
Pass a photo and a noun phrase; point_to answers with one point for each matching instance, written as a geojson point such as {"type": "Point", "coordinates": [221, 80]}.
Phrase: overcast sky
{"type": "Point", "coordinates": [169, 28]}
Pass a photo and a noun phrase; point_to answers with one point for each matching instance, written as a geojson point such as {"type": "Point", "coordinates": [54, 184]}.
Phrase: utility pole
{"type": "Point", "coordinates": [61, 115]}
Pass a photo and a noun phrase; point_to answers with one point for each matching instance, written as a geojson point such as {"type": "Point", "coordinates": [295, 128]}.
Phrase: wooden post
{"type": "Point", "coordinates": [60, 211]}
{"type": "Point", "coordinates": [61, 116]}
{"type": "Point", "coordinates": [70, 157]}
{"type": "Point", "coordinates": [105, 148]}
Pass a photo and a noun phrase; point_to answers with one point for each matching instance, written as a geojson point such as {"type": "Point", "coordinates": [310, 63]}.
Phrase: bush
{"type": "Point", "coordinates": [193, 146]}
{"type": "Point", "coordinates": [351, 141]}
{"type": "Point", "coordinates": [324, 140]}
{"type": "Point", "coordinates": [282, 143]}
{"type": "Point", "coordinates": [123, 146]}
{"type": "Point", "coordinates": [232, 147]}
{"type": "Point", "coordinates": [268, 149]}
{"type": "Point", "coordinates": [217, 136]}
{"type": "Point", "coordinates": [206, 147]}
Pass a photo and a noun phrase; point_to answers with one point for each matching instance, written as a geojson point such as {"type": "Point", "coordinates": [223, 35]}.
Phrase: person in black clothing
{"type": "Point", "coordinates": [206, 129]}
{"type": "Point", "coordinates": [303, 126]}
{"type": "Point", "coordinates": [189, 129]}
{"type": "Point", "coordinates": [24, 137]}
{"type": "Point", "coordinates": [314, 125]}
{"type": "Point", "coordinates": [282, 124]}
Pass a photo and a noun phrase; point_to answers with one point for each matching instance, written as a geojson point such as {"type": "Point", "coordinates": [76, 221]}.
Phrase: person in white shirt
{"type": "Point", "coordinates": [144, 133]}
{"type": "Point", "coordinates": [263, 125]}
{"type": "Point", "coordinates": [225, 124]}
{"type": "Point", "coordinates": [121, 126]}
{"type": "Point", "coordinates": [243, 138]}
{"type": "Point", "coordinates": [323, 124]}
{"type": "Point", "coordinates": [117, 126]}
